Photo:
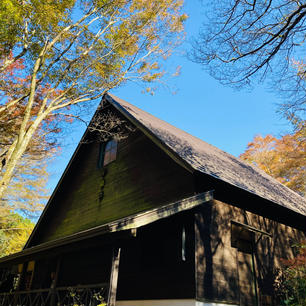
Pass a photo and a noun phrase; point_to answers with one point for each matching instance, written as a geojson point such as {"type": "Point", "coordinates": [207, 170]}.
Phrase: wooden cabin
{"type": "Point", "coordinates": [146, 214]}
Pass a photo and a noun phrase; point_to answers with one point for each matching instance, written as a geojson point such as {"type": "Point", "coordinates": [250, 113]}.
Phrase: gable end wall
{"type": "Point", "coordinates": [142, 177]}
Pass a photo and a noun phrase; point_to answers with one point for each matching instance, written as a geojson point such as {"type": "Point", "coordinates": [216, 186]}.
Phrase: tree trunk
{"type": "Point", "coordinates": [17, 152]}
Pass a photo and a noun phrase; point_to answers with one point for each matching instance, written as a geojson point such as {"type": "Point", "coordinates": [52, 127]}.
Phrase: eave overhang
{"type": "Point", "coordinates": [128, 223]}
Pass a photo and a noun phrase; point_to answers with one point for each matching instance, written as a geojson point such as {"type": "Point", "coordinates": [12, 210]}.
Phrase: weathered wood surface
{"type": "Point", "coordinates": [166, 211]}
{"type": "Point", "coordinates": [224, 272]}
{"type": "Point", "coordinates": [142, 177]}
{"type": "Point", "coordinates": [247, 294]}
{"type": "Point", "coordinates": [216, 271]}
{"type": "Point", "coordinates": [245, 200]}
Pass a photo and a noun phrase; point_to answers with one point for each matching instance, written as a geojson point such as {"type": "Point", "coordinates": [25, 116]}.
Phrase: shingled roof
{"type": "Point", "coordinates": [196, 154]}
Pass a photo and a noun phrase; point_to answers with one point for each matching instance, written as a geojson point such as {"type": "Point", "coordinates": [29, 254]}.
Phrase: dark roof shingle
{"type": "Point", "coordinates": [210, 160]}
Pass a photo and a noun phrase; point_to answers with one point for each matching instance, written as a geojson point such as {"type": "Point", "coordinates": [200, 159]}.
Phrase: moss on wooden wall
{"type": "Point", "coordinates": [141, 178]}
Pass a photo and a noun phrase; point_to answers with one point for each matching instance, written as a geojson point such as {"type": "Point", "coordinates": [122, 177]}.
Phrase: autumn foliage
{"type": "Point", "coordinates": [14, 232]}
{"type": "Point", "coordinates": [27, 192]}
{"type": "Point", "coordinates": [73, 52]}
{"type": "Point", "coordinates": [291, 285]}
{"type": "Point", "coordinates": [57, 58]}
{"type": "Point", "coordinates": [283, 158]}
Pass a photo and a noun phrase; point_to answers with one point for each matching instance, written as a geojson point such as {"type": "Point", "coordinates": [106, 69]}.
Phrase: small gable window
{"type": "Point", "coordinates": [108, 152]}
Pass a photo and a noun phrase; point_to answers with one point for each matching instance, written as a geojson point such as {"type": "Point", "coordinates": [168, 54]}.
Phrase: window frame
{"type": "Point", "coordinates": [107, 153]}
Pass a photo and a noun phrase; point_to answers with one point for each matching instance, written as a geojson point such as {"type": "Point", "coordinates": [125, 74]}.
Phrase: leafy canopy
{"type": "Point", "coordinates": [283, 158]}
{"type": "Point", "coordinates": [27, 191]}
{"type": "Point", "coordinates": [14, 232]}
{"type": "Point", "coordinates": [291, 285]}
{"type": "Point", "coordinates": [73, 52]}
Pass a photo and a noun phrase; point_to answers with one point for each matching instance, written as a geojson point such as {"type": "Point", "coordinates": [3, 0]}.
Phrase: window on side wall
{"type": "Point", "coordinates": [108, 153]}
{"type": "Point", "coordinates": [242, 238]}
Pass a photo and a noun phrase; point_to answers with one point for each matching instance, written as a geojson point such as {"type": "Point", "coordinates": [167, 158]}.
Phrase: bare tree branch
{"type": "Point", "coordinates": [243, 42]}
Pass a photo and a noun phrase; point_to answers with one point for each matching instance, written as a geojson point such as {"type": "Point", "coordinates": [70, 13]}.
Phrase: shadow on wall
{"type": "Point", "coordinates": [228, 273]}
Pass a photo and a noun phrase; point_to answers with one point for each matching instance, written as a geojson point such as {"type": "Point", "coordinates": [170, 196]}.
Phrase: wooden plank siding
{"type": "Point", "coordinates": [142, 177]}
{"type": "Point", "coordinates": [182, 234]}
{"type": "Point", "coordinates": [224, 273]}
{"type": "Point", "coordinates": [152, 265]}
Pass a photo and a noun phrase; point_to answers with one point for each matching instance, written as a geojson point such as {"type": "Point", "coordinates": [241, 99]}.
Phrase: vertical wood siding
{"type": "Point", "coordinates": [224, 273]}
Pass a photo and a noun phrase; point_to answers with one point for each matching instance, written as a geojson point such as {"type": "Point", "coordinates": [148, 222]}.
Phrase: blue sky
{"type": "Point", "coordinates": [221, 116]}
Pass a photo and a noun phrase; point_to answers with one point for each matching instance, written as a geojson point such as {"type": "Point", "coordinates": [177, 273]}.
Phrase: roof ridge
{"type": "Point", "coordinates": [199, 154]}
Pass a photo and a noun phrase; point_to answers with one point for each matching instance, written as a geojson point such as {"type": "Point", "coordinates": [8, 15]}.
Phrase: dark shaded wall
{"type": "Point", "coordinates": [142, 177]}
{"type": "Point", "coordinates": [225, 273]}
{"type": "Point", "coordinates": [152, 265]}
{"type": "Point", "coordinates": [86, 262]}
{"type": "Point", "coordinates": [84, 267]}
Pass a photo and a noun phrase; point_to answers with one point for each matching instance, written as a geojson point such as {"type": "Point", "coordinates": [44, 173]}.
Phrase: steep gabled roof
{"type": "Point", "coordinates": [195, 154]}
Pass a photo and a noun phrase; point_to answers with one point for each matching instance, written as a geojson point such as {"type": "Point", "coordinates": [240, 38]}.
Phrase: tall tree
{"type": "Point", "coordinates": [244, 41]}
{"type": "Point", "coordinates": [27, 191]}
{"type": "Point", "coordinates": [283, 158]}
{"type": "Point", "coordinates": [75, 51]}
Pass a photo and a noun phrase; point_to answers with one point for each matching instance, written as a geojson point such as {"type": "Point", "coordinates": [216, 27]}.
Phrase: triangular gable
{"type": "Point", "coordinates": [193, 153]}
{"type": "Point", "coordinates": [66, 211]}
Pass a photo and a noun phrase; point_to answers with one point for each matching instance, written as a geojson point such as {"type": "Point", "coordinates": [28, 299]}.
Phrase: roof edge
{"type": "Point", "coordinates": [130, 222]}
{"type": "Point", "coordinates": [112, 100]}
